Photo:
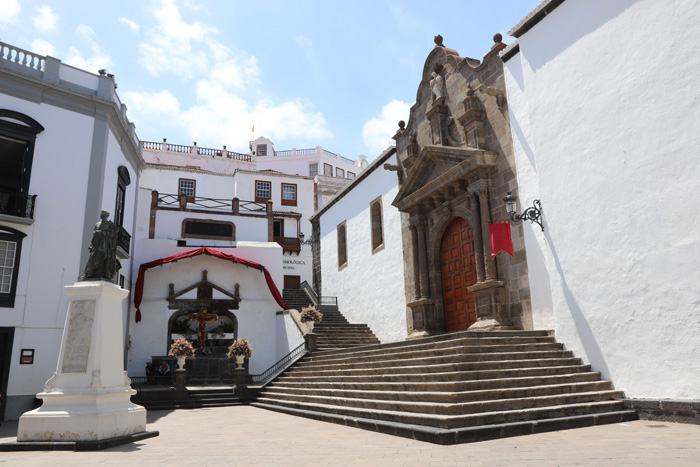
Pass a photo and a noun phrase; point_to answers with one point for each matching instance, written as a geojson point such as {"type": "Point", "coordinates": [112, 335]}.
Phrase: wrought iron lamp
{"type": "Point", "coordinates": [533, 213]}
{"type": "Point", "coordinates": [304, 242]}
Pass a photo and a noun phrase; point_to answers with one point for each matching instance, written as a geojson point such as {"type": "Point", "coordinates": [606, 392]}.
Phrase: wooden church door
{"type": "Point", "coordinates": [458, 267]}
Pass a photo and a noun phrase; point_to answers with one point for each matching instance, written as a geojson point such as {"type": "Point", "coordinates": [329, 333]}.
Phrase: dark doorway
{"type": "Point", "coordinates": [292, 282]}
{"type": "Point", "coordinates": [278, 228]}
{"type": "Point", "coordinates": [6, 338]}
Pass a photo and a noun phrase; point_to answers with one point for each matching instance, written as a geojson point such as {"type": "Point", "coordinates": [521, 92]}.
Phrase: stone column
{"type": "Point", "coordinates": [423, 261]}
{"type": "Point", "coordinates": [489, 263]}
{"type": "Point", "coordinates": [416, 270]}
{"type": "Point", "coordinates": [478, 243]}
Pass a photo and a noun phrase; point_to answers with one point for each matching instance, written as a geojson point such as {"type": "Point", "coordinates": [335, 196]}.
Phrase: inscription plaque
{"type": "Point", "coordinates": [75, 357]}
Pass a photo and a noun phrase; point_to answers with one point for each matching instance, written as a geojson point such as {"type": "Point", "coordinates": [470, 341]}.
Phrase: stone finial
{"type": "Point", "coordinates": [204, 274]}
{"type": "Point", "coordinates": [402, 124]}
{"type": "Point", "coordinates": [497, 38]}
{"type": "Point", "coordinates": [438, 41]}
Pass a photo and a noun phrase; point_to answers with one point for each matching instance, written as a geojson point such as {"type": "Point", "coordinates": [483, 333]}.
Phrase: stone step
{"type": "Point", "coordinates": [445, 397]}
{"type": "Point", "coordinates": [443, 386]}
{"type": "Point", "coordinates": [454, 421]}
{"type": "Point", "coordinates": [436, 363]}
{"type": "Point", "coordinates": [460, 435]}
{"type": "Point", "coordinates": [515, 371]}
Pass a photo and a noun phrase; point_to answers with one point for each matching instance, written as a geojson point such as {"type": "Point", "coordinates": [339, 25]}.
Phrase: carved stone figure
{"type": "Point", "coordinates": [436, 85]}
{"type": "Point", "coordinates": [102, 263]}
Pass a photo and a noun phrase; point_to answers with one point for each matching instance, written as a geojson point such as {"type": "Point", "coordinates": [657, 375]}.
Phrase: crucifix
{"type": "Point", "coordinates": [202, 316]}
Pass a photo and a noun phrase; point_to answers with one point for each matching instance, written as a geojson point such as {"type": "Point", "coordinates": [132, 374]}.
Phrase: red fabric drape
{"type": "Point", "coordinates": [138, 290]}
{"type": "Point", "coordinates": [500, 238]}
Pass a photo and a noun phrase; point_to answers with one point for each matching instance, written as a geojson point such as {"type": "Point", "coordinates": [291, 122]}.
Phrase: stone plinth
{"type": "Point", "coordinates": [89, 396]}
{"type": "Point", "coordinates": [489, 298]}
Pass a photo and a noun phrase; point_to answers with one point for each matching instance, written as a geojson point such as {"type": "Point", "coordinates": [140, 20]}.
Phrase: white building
{"type": "Point", "coordinates": [361, 252]}
{"type": "Point", "coordinates": [603, 103]}
{"type": "Point", "coordinates": [67, 151]}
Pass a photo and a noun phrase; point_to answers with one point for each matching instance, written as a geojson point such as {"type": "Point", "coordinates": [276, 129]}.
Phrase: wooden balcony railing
{"type": "Point", "coordinates": [289, 243]}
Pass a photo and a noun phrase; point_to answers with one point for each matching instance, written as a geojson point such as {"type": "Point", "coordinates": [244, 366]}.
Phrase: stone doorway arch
{"type": "Point", "coordinates": [458, 271]}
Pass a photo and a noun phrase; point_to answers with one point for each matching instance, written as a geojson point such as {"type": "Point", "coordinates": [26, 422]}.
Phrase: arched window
{"type": "Point", "coordinates": [342, 246]}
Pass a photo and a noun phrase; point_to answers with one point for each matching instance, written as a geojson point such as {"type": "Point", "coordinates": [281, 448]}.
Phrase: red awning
{"type": "Point", "coordinates": [138, 291]}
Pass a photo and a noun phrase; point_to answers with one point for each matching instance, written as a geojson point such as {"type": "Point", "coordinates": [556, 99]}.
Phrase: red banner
{"type": "Point", "coordinates": [138, 290]}
{"type": "Point", "coordinates": [500, 237]}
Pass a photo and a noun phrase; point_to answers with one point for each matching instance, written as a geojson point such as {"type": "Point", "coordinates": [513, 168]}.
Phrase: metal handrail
{"type": "Point", "coordinates": [284, 363]}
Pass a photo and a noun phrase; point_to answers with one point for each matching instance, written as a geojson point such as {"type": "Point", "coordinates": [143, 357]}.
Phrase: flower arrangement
{"type": "Point", "coordinates": [240, 347]}
{"type": "Point", "coordinates": [310, 313]}
{"type": "Point", "coordinates": [181, 348]}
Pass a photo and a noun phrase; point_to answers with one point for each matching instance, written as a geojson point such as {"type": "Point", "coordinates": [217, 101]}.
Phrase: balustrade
{"type": "Point", "coordinates": [21, 56]}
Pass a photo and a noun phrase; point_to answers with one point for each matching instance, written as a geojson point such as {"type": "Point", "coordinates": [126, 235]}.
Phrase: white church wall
{"type": "Point", "coordinates": [256, 315]}
{"type": "Point", "coordinates": [610, 159]}
{"type": "Point", "coordinates": [371, 288]}
{"type": "Point", "coordinates": [169, 225]}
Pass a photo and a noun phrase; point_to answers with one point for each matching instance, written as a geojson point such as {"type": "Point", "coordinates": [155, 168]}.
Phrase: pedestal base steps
{"type": "Point", "coordinates": [452, 388]}
{"type": "Point", "coordinates": [165, 398]}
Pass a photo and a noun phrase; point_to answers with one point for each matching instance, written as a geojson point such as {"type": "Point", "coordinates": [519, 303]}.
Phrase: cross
{"type": "Point", "coordinates": [202, 317]}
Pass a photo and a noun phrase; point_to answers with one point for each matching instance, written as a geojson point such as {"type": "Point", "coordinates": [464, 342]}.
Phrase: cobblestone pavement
{"type": "Point", "coordinates": [246, 435]}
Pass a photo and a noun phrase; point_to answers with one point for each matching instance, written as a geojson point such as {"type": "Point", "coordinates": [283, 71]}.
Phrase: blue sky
{"type": "Point", "coordinates": [305, 73]}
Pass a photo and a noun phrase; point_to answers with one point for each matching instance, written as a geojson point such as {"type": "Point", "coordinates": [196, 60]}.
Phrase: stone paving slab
{"type": "Point", "coordinates": [245, 435]}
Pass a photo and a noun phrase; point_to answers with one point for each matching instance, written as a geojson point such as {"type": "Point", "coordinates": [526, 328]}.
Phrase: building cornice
{"type": "Point", "coordinates": [534, 17]}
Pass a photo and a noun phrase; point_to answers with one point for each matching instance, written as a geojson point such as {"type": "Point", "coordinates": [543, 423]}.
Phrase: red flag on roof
{"type": "Point", "coordinates": [500, 237]}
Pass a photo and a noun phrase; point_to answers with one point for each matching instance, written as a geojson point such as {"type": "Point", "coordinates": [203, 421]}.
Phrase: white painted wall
{"type": "Point", "coordinates": [371, 288]}
{"type": "Point", "coordinates": [257, 318]}
{"type": "Point", "coordinates": [603, 103]}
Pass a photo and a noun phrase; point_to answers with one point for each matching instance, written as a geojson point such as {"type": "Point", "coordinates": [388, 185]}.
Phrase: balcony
{"type": "Point", "coordinates": [291, 244]}
{"type": "Point", "coordinates": [17, 205]}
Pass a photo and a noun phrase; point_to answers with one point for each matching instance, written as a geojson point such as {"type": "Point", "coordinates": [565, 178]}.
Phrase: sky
{"type": "Point", "coordinates": [303, 73]}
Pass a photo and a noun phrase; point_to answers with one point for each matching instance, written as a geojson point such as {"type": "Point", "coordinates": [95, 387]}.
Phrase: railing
{"type": "Point", "coordinates": [216, 204]}
{"type": "Point", "coordinates": [284, 363]}
{"type": "Point", "coordinates": [124, 239]}
{"type": "Point", "coordinates": [287, 152]}
{"type": "Point", "coordinates": [289, 243]}
{"type": "Point", "coordinates": [252, 206]}
{"type": "Point", "coordinates": [21, 56]}
{"type": "Point", "coordinates": [182, 149]}
{"type": "Point", "coordinates": [309, 291]}
{"type": "Point", "coordinates": [306, 151]}
{"type": "Point", "coordinates": [14, 204]}
{"type": "Point", "coordinates": [345, 159]}
{"type": "Point", "coordinates": [328, 153]}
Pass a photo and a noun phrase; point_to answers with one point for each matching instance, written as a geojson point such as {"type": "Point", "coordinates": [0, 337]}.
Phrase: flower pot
{"type": "Point", "coordinates": [239, 360]}
{"type": "Point", "coordinates": [181, 362]}
{"type": "Point", "coordinates": [310, 325]}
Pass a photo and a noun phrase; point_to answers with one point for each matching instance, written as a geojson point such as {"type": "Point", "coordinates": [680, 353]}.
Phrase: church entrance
{"type": "Point", "coordinates": [458, 268]}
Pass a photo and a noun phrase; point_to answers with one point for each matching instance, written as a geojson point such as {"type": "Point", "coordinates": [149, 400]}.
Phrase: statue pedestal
{"type": "Point", "coordinates": [89, 396]}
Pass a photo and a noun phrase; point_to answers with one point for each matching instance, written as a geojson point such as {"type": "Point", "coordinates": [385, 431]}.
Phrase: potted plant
{"type": "Point", "coordinates": [310, 315]}
{"type": "Point", "coordinates": [181, 349]}
{"type": "Point", "coordinates": [240, 349]}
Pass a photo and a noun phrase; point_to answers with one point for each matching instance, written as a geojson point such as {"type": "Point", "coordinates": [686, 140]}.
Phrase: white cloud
{"type": "Point", "coordinates": [303, 41]}
{"type": "Point", "coordinates": [378, 131]}
{"type": "Point", "coordinates": [46, 20]}
{"type": "Point", "coordinates": [132, 25]}
{"type": "Point", "coordinates": [227, 83]}
{"type": "Point", "coordinates": [43, 47]}
{"type": "Point", "coordinates": [9, 11]}
{"type": "Point", "coordinates": [99, 58]}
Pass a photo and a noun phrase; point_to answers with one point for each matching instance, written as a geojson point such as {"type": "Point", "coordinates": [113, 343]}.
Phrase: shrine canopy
{"type": "Point", "coordinates": [138, 291]}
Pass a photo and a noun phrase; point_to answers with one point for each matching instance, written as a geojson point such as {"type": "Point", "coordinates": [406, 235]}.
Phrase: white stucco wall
{"type": "Point", "coordinates": [371, 288]}
{"type": "Point", "coordinates": [257, 315]}
{"type": "Point", "coordinates": [603, 102]}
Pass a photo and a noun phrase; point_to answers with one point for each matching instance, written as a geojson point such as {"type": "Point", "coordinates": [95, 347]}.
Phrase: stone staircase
{"type": "Point", "coordinates": [198, 398]}
{"type": "Point", "coordinates": [452, 388]}
{"type": "Point", "coordinates": [296, 298]}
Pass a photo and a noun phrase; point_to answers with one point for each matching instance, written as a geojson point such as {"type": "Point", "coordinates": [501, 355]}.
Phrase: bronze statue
{"type": "Point", "coordinates": [102, 263]}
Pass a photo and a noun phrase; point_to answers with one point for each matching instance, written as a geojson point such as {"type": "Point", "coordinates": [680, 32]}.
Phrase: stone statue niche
{"type": "Point", "coordinates": [102, 264]}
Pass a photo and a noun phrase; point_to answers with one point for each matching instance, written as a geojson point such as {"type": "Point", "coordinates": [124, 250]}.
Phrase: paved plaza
{"type": "Point", "coordinates": [245, 435]}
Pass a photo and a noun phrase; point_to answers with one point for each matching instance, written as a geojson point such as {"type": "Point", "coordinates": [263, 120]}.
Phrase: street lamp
{"type": "Point", "coordinates": [533, 213]}
{"type": "Point", "coordinates": [301, 240]}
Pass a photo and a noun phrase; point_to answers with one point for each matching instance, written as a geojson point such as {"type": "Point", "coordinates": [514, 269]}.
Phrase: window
{"type": "Point", "coordinates": [205, 228]}
{"type": "Point", "coordinates": [375, 211]}
{"type": "Point", "coordinates": [261, 150]}
{"type": "Point", "coordinates": [289, 194]}
{"type": "Point", "coordinates": [123, 181]}
{"type": "Point", "coordinates": [278, 227]}
{"type": "Point", "coordinates": [10, 248]}
{"type": "Point", "coordinates": [351, 175]}
{"type": "Point", "coordinates": [328, 170]}
{"type": "Point", "coordinates": [17, 135]}
{"type": "Point", "coordinates": [262, 191]}
{"type": "Point", "coordinates": [342, 246]}
{"type": "Point", "coordinates": [340, 173]}
{"type": "Point", "coordinates": [313, 169]}
{"type": "Point", "coordinates": [187, 188]}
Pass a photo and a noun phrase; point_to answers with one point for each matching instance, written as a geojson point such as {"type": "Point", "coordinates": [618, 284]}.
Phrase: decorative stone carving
{"type": "Point", "coordinates": [437, 86]}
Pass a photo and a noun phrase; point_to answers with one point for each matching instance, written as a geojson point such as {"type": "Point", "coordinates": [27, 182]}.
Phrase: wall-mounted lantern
{"type": "Point", "coordinates": [533, 213]}
{"type": "Point", "coordinates": [304, 242]}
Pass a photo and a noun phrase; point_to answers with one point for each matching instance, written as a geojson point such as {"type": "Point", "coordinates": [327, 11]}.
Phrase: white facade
{"type": "Point", "coordinates": [86, 138]}
{"type": "Point", "coordinates": [603, 103]}
{"type": "Point", "coordinates": [370, 286]}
